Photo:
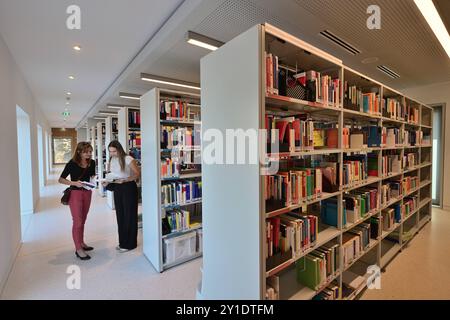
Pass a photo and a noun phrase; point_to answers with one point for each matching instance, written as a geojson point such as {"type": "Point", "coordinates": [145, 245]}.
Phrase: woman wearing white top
{"type": "Point", "coordinates": [124, 170]}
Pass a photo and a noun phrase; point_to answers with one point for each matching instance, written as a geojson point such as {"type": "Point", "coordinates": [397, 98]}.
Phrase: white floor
{"type": "Point", "coordinates": [40, 271]}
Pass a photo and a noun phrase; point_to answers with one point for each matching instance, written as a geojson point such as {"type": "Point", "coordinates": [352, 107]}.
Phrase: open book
{"type": "Point", "coordinates": [88, 185]}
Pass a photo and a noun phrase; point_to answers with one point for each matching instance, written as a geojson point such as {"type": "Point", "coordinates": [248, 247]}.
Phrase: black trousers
{"type": "Point", "coordinates": [126, 202]}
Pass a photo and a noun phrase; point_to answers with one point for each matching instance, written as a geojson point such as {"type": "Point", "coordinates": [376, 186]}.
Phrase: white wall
{"type": "Point", "coordinates": [435, 94]}
{"type": "Point", "coordinates": [14, 91]}
{"type": "Point", "coordinates": [81, 135]}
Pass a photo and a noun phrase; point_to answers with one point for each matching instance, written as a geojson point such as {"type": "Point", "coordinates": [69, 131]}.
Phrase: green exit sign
{"type": "Point", "coordinates": [66, 114]}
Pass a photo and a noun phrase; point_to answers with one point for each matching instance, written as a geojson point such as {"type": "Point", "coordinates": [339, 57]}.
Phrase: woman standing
{"type": "Point", "coordinates": [80, 168]}
{"type": "Point", "coordinates": [125, 171]}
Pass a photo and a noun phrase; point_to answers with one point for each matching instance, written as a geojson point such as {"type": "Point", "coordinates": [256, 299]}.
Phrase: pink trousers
{"type": "Point", "coordinates": [79, 203]}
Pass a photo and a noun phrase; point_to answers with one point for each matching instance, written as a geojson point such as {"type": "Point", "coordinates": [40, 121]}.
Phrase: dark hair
{"type": "Point", "coordinates": [81, 148]}
{"type": "Point", "coordinates": [116, 144]}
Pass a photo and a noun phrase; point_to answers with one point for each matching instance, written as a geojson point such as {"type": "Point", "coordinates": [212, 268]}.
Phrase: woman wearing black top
{"type": "Point", "coordinates": [80, 168]}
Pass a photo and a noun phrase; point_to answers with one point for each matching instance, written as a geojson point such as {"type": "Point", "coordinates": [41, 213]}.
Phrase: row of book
{"type": "Point", "coordinates": [290, 232]}
{"type": "Point", "coordinates": [390, 216]}
{"type": "Point", "coordinates": [134, 140]}
{"type": "Point", "coordinates": [393, 109]}
{"type": "Point", "coordinates": [170, 168]}
{"type": "Point", "coordinates": [294, 187]}
{"type": "Point", "coordinates": [134, 119]}
{"type": "Point", "coordinates": [410, 160]}
{"type": "Point", "coordinates": [355, 169]}
{"type": "Point", "coordinates": [389, 191]}
{"type": "Point", "coordinates": [358, 203]}
{"type": "Point", "coordinates": [409, 205]}
{"type": "Point", "coordinates": [178, 111]}
{"type": "Point", "coordinates": [301, 184]}
{"type": "Point", "coordinates": [307, 85]}
{"type": "Point", "coordinates": [180, 192]}
{"type": "Point", "coordinates": [390, 164]}
{"type": "Point", "coordinates": [410, 183]}
{"type": "Point", "coordinates": [299, 133]}
{"type": "Point", "coordinates": [355, 99]}
{"type": "Point", "coordinates": [354, 242]}
{"type": "Point", "coordinates": [178, 220]}
{"type": "Point", "coordinates": [412, 137]}
{"type": "Point", "coordinates": [115, 125]}
{"type": "Point", "coordinates": [172, 137]}
{"type": "Point", "coordinates": [330, 292]}
{"type": "Point", "coordinates": [412, 115]}
{"type": "Point", "coordinates": [318, 267]}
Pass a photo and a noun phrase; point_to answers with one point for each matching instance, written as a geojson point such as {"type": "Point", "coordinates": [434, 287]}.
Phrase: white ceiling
{"type": "Point", "coordinates": [405, 43]}
{"type": "Point", "coordinates": [112, 33]}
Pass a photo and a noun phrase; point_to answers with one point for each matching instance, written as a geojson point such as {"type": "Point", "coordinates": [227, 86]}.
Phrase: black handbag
{"type": "Point", "coordinates": [66, 193]}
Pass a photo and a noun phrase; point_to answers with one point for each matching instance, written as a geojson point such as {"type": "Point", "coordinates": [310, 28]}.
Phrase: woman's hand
{"type": "Point", "coordinates": [105, 183]}
{"type": "Point", "coordinates": [77, 184]}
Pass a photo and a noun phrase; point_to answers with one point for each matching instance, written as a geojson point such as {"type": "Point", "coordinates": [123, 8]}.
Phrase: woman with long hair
{"type": "Point", "coordinates": [125, 172]}
{"type": "Point", "coordinates": [81, 168]}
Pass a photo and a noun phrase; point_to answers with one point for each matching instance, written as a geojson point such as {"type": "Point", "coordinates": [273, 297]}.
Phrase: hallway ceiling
{"type": "Point", "coordinates": [106, 66]}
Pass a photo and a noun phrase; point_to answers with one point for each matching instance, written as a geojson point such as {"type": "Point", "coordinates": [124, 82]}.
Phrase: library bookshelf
{"type": "Point", "coordinates": [101, 156]}
{"type": "Point", "coordinates": [111, 134]}
{"type": "Point", "coordinates": [94, 143]}
{"type": "Point", "coordinates": [380, 159]}
{"type": "Point", "coordinates": [171, 177]}
{"type": "Point", "coordinates": [129, 136]}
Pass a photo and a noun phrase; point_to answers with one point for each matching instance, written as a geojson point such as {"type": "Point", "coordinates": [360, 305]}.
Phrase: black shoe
{"type": "Point", "coordinates": [88, 248]}
{"type": "Point", "coordinates": [82, 258]}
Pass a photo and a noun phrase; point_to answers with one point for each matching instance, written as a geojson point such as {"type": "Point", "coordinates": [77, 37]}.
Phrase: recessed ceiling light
{"type": "Point", "coordinates": [71, 77]}
{"type": "Point", "coordinates": [131, 96]}
{"type": "Point", "coordinates": [114, 106]}
{"type": "Point", "coordinates": [434, 20]}
{"type": "Point", "coordinates": [172, 82]}
{"type": "Point", "coordinates": [77, 48]}
{"type": "Point", "coordinates": [68, 93]}
{"type": "Point", "coordinates": [202, 41]}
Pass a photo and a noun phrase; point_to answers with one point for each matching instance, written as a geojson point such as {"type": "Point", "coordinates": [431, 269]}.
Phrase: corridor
{"type": "Point", "coordinates": [40, 269]}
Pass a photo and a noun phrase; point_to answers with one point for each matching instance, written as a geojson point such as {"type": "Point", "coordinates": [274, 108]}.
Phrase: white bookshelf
{"type": "Point", "coordinates": [234, 207]}
{"type": "Point", "coordinates": [153, 210]}
{"type": "Point", "coordinates": [101, 156]}
{"type": "Point", "coordinates": [111, 134]}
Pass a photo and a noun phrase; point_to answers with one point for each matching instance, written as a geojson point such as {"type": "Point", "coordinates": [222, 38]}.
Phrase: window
{"type": "Point", "coordinates": [438, 161]}
{"type": "Point", "coordinates": [62, 150]}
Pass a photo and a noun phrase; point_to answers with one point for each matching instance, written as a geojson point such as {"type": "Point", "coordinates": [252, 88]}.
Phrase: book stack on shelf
{"type": "Point", "coordinates": [111, 134]}
{"type": "Point", "coordinates": [101, 152]}
{"type": "Point", "coordinates": [323, 215]}
{"type": "Point", "coordinates": [172, 180]}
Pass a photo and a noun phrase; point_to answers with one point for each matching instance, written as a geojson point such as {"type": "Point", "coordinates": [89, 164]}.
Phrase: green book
{"type": "Point", "coordinates": [308, 271]}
